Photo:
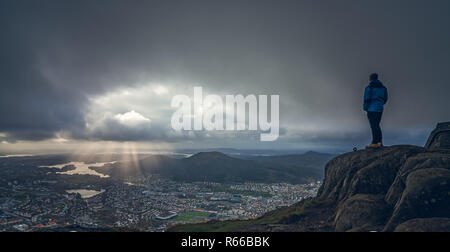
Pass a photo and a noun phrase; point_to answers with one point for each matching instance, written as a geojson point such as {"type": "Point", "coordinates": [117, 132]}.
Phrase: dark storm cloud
{"type": "Point", "coordinates": [55, 55]}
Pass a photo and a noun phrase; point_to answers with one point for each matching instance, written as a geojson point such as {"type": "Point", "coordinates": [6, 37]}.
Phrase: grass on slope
{"type": "Point", "coordinates": [273, 217]}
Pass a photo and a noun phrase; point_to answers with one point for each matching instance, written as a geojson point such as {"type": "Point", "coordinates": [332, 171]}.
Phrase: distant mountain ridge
{"type": "Point", "coordinates": [242, 153]}
{"type": "Point", "coordinates": [218, 167]}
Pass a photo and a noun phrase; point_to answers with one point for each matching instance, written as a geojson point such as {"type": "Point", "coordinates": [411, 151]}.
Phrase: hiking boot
{"type": "Point", "coordinates": [373, 146]}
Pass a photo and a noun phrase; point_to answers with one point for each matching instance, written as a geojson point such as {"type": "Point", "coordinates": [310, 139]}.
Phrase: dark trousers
{"type": "Point", "coordinates": [374, 120]}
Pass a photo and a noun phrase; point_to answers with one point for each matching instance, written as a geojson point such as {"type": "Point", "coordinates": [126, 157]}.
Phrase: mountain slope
{"type": "Point", "coordinates": [311, 163]}
{"type": "Point", "coordinates": [218, 167]}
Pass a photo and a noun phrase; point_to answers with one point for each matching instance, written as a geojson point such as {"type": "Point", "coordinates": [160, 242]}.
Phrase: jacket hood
{"type": "Point", "coordinates": [376, 84]}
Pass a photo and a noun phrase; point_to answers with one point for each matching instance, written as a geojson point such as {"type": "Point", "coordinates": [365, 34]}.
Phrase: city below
{"type": "Point", "coordinates": [35, 196]}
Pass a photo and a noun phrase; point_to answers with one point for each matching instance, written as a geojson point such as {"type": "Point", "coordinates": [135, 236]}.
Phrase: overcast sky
{"type": "Point", "coordinates": [92, 71]}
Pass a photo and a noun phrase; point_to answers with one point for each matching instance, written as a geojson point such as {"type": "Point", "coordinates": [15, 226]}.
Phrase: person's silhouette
{"type": "Point", "coordinates": [375, 97]}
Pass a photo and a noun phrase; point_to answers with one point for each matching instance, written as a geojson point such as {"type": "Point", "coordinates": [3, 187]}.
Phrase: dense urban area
{"type": "Point", "coordinates": [35, 197]}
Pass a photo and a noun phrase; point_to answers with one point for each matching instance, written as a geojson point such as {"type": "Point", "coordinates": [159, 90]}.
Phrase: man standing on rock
{"type": "Point", "coordinates": [375, 97]}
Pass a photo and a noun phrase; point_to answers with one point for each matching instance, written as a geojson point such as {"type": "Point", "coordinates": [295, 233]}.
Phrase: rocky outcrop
{"type": "Point", "coordinates": [377, 190]}
{"type": "Point", "coordinates": [425, 225]}
{"type": "Point", "coordinates": [440, 137]}
{"type": "Point", "coordinates": [364, 172]}
{"type": "Point", "coordinates": [425, 160]}
{"type": "Point", "coordinates": [426, 195]}
{"type": "Point", "coordinates": [394, 188]}
{"type": "Point", "coordinates": [361, 212]}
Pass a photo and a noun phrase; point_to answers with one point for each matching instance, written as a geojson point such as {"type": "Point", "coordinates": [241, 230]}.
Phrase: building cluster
{"type": "Point", "coordinates": [144, 205]}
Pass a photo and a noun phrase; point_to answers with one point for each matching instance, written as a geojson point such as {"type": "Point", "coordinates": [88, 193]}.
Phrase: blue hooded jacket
{"type": "Point", "coordinates": [375, 96]}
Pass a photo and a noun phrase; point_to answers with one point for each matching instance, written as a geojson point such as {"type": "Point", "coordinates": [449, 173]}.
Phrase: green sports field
{"type": "Point", "coordinates": [190, 215]}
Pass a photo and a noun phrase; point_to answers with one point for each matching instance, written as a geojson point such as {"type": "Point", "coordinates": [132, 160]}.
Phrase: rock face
{"type": "Point", "coordinates": [398, 188]}
{"type": "Point", "coordinates": [378, 190]}
{"type": "Point", "coordinates": [427, 194]}
{"type": "Point", "coordinates": [381, 189]}
{"type": "Point", "coordinates": [425, 225]}
{"type": "Point", "coordinates": [440, 137]}
{"type": "Point", "coordinates": [364, 172]}
{"type": "Point", "coordinates": [361, 212]}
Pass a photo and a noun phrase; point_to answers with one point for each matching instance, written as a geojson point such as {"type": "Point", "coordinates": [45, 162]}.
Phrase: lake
{"type": "Point", "coordinates": [85, 194]}
{"type": "Point", "coordinates": [81, 168]}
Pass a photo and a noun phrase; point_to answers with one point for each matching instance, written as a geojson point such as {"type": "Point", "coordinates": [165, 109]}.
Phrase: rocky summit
{"type": "Point", "coordinates": [398, 188]}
